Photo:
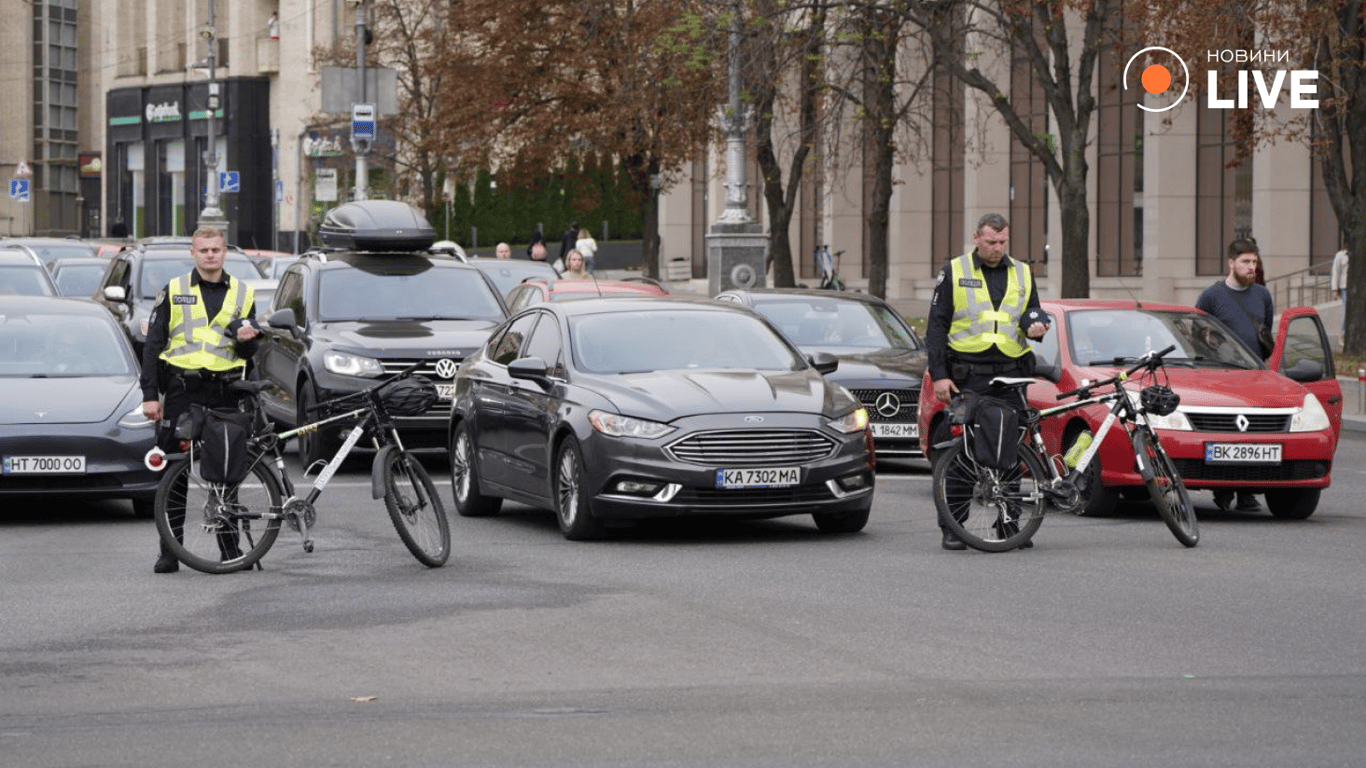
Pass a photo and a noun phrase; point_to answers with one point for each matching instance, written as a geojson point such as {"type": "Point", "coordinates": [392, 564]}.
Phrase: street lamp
{"type": "Point", "coordinates": [212, 215]}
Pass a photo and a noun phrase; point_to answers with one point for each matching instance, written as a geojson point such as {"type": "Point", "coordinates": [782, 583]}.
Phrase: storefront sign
{"type": "Point", "coordinates": [165, 112]}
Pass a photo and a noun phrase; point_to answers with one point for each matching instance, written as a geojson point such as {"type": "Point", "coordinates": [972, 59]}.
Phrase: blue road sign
{"type": "Point", "coordinates": [19, 190]}
{"type": "Point", "coordinates": [230, 181]}
{"type": "Point", "coordinates": [363, 121]}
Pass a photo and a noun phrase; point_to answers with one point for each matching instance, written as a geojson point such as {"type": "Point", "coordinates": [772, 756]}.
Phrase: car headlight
{"type": "Point", "coordinates": [351, 365]}
{"type": "Point", "coordinates": [616, 425]}
{"type": "Point", "coordinates": [1311, 416]}
{"type": "Point", "coordinates": [853, 421]}
{"type": "Point", "coordinates": [1175, 420]}
{"type": "Point", "coordinates": [135, 419]}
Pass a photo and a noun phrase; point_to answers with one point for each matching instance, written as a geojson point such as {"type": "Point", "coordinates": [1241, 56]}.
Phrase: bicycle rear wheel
{"type": "Point", "coordinates": [216, 528]}
{"type": "Point", "coordinates": [990, 510]}
{"type": "Point", "coordinates": [415, 508]}
{"type": "Point", "coordinates": [1166, 488]}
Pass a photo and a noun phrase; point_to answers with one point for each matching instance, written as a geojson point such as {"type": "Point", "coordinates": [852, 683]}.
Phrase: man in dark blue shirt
{"type": "Point", "coordinates": [1248, 310]}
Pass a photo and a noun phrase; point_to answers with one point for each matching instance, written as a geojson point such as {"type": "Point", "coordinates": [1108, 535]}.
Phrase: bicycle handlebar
{"type": "Point", "coordinates": [340, 401]}
{"type": "Point", "coordinates": [1150, 360]}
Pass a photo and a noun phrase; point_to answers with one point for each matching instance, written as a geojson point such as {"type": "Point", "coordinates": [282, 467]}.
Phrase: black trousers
{"type": "Point", "coordinates": [181, 392]}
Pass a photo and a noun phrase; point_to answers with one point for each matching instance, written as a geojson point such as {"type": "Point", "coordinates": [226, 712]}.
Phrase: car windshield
{"type": "Point", "coordinates": [506, 274]}
{"type": "Point", "coordinates": [60, 345]}
{"type": "Point", "coordinates": [428, 294]}
{"type": "Point", "coordinates": [680, 339]}
{"type": "Point", "coordinates": [156, 273]}
{"type": "Point", "coordinates": [61, 251]}
{"type": "Point", "coordinates": [1113, 336]}
{"type": "Point", "coordinates": [24, 280]}
{"type": "Point", "coordinates": [79, 279]}
{"type": "Point", "coordinates": [811, 321]}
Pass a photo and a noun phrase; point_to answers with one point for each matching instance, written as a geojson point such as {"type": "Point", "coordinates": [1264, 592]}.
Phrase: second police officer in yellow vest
{"type": "Point", "coordinates": [199, 337]}
{"type": "Point", "coordinates": [984, 312]}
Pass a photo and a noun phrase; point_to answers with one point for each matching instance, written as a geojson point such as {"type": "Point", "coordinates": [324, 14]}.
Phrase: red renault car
{"type": "Point", "coordinates": [1267, 427]}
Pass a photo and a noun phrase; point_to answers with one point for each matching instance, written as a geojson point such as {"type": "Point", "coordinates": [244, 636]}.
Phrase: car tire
{"type": "Point", "coordinates": [841, 522]}
{"type": "Point", "coordinates": [314, 446]}
{"type": "Point", "coordinates": [142, 508]}
{"type": "Point", "coordinates": [571, 498]}
{"type": "Point", "coordinates": [1293, 504]}
{"type": "Point", "coordinates": [469, 500]}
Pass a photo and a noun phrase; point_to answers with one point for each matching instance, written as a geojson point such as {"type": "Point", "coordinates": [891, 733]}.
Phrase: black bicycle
{"type": "Point", "coordinates": [224, 527]}
{"type": "Point", "coordinates": [995, 510]}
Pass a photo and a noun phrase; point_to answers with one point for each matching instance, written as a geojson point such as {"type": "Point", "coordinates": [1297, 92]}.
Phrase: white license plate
{"type": "Point", "coordinates": [44, 465]}
{"type": "Point", "coordinates": [445, 392]}
{"type": "Point", "coordinates": [1242, 453]}
{"type": "Point", "coordinates": [779, 477]}
{"type": "Point", "coordinates": [895, 430]}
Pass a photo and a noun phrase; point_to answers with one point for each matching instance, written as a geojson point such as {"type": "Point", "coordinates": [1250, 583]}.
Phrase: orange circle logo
{"type": "Point", "coordinates": [1156, 78]}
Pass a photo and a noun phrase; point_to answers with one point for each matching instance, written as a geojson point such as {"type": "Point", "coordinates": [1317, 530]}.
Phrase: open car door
{"type": "Point", "coordinates": [1303, 353]}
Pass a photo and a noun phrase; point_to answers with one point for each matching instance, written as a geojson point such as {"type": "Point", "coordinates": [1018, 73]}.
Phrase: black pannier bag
{"type": "Point", "coordinates": [223, 454]}
{"type": "Point", "coordinates": [994, 426]}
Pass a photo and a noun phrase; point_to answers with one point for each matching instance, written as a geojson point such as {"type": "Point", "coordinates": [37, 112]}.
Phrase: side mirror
{"type": "Point", "coordinates": [284, 319]}
{"type": "Point", "coordinates": [1304, 371]}
{"type": "Point", "coordinates": [531, 369]}
{"type": "Point", "coordinates": [823, 362]}
{"type": "Point", "coordinates": [115, 293]}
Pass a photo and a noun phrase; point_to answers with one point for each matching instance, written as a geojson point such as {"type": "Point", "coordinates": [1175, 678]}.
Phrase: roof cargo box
{"type": "Point", "coordinates": [376, 225]}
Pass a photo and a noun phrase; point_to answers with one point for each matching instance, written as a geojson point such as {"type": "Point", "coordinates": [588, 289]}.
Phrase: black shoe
{"type": "Point", "coordinates": [166, 563]}
{"type": "Point", "coordinates": [1247, 502]}
{"type": "Point", "coordinates": [952, 542]}
{"type": "Point", "coordinates": [1223, 500]}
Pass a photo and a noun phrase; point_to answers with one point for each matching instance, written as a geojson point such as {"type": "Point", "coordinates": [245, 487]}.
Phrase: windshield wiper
{"type": "Point", "coordinates": [1113, 361]}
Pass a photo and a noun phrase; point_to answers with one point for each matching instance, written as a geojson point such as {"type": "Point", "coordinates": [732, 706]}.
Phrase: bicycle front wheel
{"type": "Point", "coordinates": [1166, 488]}
{"type": "Point", "coordinates": [415, 508]}
{"type": "Point", "coordinates": [213, 527]}
{"type": "Point", "coordinates": [990, 510]}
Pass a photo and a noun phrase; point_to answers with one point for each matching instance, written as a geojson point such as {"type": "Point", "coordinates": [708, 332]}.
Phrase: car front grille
{"type": "Point", "coordinates": [890, 405]}
{"type": "Point", "coordinates": [1228, 422]}
{"type": "Point", "coordinates": [426, 367]}
{"type": "Point", "coordinates": [1196, 470]}
{"type": "Point", "coordinates": [752, 447]}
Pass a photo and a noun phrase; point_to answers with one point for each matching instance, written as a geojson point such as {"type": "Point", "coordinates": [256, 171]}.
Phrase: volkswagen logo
{"type": "Point", "coordinates": [446, 368]}
{"type": "Point", "coordinates": [887, 405]}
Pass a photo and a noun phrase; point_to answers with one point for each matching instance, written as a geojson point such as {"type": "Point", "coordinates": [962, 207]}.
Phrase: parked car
{"type": "Point", "coordinates": [626, 408]}
{"type": "Point", "coordinates": [537, 291]}
{"type": "Point", "coordinates": [373, 306]}
{"type": "Point", "coordinates": [76, 275]}
{"type": "Point", "coordinates": [507, 274]}
{"type": "Point", "coordinates": [135, 275]}
{"type": "Point", "coordinates": [49, 248]}
{"type": "Point", "coordinates": [71, 422]}
{"type": "Point", "coordinates": [882, 360]}
{"type": "Point", "coordinates": [1270, 428]}
{"type": "Point", "coordinates": [22, 273]}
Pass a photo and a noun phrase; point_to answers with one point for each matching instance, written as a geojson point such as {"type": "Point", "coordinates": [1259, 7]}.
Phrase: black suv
{"type": "Point", "coordinates": [371, 303]}
{"type": "Point", "coordinates": [136, 275]}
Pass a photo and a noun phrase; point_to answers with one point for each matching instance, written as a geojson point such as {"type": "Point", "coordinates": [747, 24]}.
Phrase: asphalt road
{"type": "Point", "coordinates": [698, 644]}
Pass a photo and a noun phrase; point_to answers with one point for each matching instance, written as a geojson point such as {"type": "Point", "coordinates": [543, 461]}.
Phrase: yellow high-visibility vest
{"type": "Point", "coordinates": [977, 325]}
{"type": "Point", "coordinates": [196, 342]}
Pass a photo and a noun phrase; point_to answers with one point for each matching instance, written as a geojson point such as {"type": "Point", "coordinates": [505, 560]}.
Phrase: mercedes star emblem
{"type": "Point", "coordinates": [887, 405]}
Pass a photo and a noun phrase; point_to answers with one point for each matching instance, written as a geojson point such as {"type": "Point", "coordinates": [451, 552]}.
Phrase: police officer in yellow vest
{"type": "Point", "coordinates": [984, 311]}
{"type": "Point", "coordinates": [199, 337]}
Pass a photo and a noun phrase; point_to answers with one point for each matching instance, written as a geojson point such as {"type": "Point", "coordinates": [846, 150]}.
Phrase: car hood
{"type": "Point", "coordinates": [1224, 388]}
{"type": "Point", "coordinates": [882, 368]}
{"type": "Point", "coordinates": [422, 338]}
{"type": "Point", "coordinates": [668, 395]}
{"type": "Point", "coordinates": [77, 400]}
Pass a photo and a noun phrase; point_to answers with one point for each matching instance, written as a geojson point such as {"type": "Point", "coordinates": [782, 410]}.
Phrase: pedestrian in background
{"type": "Point", "coordinates": [1339, 286]}
{"type": "Point", "coordinates": [502, 251]}
{"type": "Point", "coordinates": [588, 247]}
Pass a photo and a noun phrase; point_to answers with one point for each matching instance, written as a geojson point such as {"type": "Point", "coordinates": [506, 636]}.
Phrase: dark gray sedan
{"type": "Point", "coordinates": [71, 422]}
{"type": "Point", "coordinates": [623, 408]}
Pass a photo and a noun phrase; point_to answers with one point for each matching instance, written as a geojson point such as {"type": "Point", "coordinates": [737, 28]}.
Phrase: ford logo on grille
{"type": "Point", "coordinates": [446, 368]}
{"type": "Point", "coordinates": [754, 419]}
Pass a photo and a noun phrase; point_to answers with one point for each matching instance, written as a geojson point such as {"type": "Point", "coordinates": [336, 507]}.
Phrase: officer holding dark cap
{"type": "Point", "coordinates": [199, 337]}
{"type": "Point", "coordinates": [984, 312]}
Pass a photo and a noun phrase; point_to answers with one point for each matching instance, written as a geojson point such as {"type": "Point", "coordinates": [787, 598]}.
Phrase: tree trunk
{"type": "Point", "coordinates": [1075, 268]}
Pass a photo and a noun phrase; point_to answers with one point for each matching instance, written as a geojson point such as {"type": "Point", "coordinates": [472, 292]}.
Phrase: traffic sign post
{"type": "Point", "coordinates": [230, 181]}
{"type": "Point", "coordinates": [363, 127]}
{"type": "Point", "coordinates": [19, 190]}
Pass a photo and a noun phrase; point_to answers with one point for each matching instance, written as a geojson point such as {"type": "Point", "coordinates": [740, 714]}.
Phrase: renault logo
{"type": "Point", "coordinates": [887, 405]}
{"type": "Point", "coordinates": [446, 368]}
{"type": "Point", "coordinates": [1241, 423]}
